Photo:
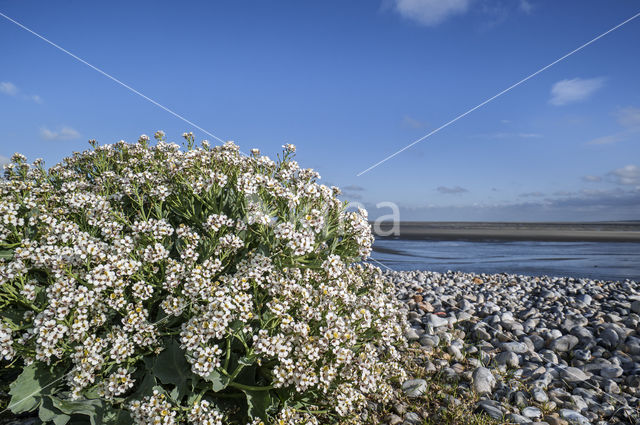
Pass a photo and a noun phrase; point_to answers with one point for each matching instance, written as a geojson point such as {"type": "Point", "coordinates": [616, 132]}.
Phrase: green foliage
{"type": "Point", "coordinates": [172, 368]}
{"type": "Point", "coordinates": [33, 383]}
{"type": "Point", "coordinates": [144, 284]}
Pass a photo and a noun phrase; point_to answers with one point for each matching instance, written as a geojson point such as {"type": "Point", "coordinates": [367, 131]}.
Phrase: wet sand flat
{"type": "Point", "coordinates": [559, 232]}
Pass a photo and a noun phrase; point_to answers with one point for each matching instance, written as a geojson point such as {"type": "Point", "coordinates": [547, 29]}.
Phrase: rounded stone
{"type": "Point", "coordinates": [414, 388]}
{"type": "Point", "coordinates": [507, 358]}
{"type": "Point", "coordinates": [611, 372]}
{"type": "Point", "coordinates": [483, 380]}
{"type": "Point", "coordinates": [539, 395]}
{"type": "Point", "coordinates": [516, 347]}
{"type": "Point", "coordinates": [574, 417]}
{"type": "Point", "coordinates": [412, 418]}
{"type": "Point", "coordinates": [532, 412]}
{"type": "Point", "coordinates": [573, 374]}
{"type": "Point", "coordinates": [564, 343]}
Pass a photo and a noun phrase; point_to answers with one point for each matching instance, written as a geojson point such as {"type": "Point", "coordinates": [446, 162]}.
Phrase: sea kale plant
{"type": "Point", "coordinates": [145, 283]}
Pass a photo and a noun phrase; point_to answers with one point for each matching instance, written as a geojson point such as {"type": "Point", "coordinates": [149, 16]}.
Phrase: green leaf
{"type": "Point", "coordinates": [171, 367]}
{"type": "Point", "coordinates": [92, 408]}
{"type": "Point", "coordinates": [13, 316]}
{"type": "Point", "coordinates": [82, 407]}
{"type": "Point", "coordinates": [6, 253]}
{"type": "Point", "coordinates": [259, 403]}
{"type": "Point", "coordinates": [61, 419]}
{"type": "Point", "coordinates": [247, 360]}
{"type": "Point", "coordinates": [174, 394]}
{"type": "Point", "coordinates": [236, 325]}
{"type": "Point", "coordinates": [145, 388]}
{"type": "Point", "coordinates": [27, 390]}
{"type": "Point", "coordinates": [219, 381]}
{"type": "Point", "coordinates": [48, 412]}
{"type": "Point", "coordinates": [111, 416]}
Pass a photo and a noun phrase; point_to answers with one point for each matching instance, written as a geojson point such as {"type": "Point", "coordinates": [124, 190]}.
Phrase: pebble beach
{"type": "Point", "coordinates": [539, 350]}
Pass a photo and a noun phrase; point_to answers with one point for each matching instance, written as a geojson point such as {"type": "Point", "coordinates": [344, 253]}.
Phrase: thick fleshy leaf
{"type": "Point", "coordinates": [47, 412]}
{"type": "Point", "coordinates": [171, 367]}
{"type": "Point", "coordinates": [91, 408]}
{"type": "Point", "coordinates": [111, 416]}
{"type": "Point", "coordinates": [259, 403]}
{"type": "Point", "coordinates": [219, 382]}
{"type": "Point", "coordinates": [27, 390]}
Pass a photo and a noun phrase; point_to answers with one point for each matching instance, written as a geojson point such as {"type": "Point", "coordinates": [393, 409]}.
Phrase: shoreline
{"type": "Point", "coordinates": [486, 231]}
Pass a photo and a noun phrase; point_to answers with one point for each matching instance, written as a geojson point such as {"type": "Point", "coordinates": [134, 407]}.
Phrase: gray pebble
{"type": "Point", "coordinates": [483, 380]}
{"type": "Point", "coordinates": [414, 387]}
{"type": "Point", "coordinates": [532, 412]}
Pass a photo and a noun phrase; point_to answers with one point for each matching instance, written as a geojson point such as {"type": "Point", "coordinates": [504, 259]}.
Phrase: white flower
{"type": "Point", "coordinates": [6, 350]}
{"type": "Point", "coordinates": [116, 384]}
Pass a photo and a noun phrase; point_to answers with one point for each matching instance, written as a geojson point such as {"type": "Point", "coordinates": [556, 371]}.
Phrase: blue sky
{"type": "Point", "coordinates": [350, 83]}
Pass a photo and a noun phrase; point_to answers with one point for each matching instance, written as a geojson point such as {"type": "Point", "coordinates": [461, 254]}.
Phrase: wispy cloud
{"type": "Point", "coordinates": [510, 135]}
{"type": "Point", "coordinates": [612, 204]}
{"type": "Point", "coordinates": [526, 6]}
{"type": "Point", "coordinates": [629, 120]}
{"type": "Point", "coordinates": [532, 195]}
{"type": "Point", "coordinates": [409, 122]}
{"type": "Point", "coordinates": [10, 89]}
{"type": "Point", "coordinates": [352, 191]}
{"type": "Point", "coordinates": [627, 175]}
{"type": "Point", "coordinates": [4, 160]}
{"type": "Point", "coordinates": [629, 117]}
{"type": "Point", "coordinates": [577, 89]}
{"type": "Point", "coordinates": [454, 190]}
{"type": "Point", "coordinates": [592, 179]}
{"type": "Point", "coordinates": [353, 187]}
{"type": "Point", "coordinates": [430, 12]}
{"type": "Point", "coordinates": [607, 140]}
{"type": "Point", "coordinates": [64, 133]}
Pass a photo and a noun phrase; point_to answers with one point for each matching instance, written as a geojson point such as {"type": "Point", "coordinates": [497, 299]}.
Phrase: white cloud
{"type": "Point", "coordinates": [629, 117]}
{"type": "Point", "coordinates": [430, 12]}
{"type": "Point", "coordinates": [353, 187]}
{"type": "Point", "coordinates": [510, 135]}
{"type": "Point", "coordinates": [8, 88]}
{"type": "Point", "coordinates": [526, 6]}
{"type": "Point", "coordinates": [607, 140]}
{"type": "Point", "coordinates": [65, 133]}
{"type": "Point", "coordinates": [408, 122]}
{"type": "Point", "coordinates": [592, 179]}
{"type": "Point", "coordinates": [451, 190]}
{"type": "Point", "coordinates": [628, 175]}
{"type": "Point", "coordinates": [629, 120]}
{"type": "Point", "coordinates": [532, 195]}
{"type": "Point", "coordinates": [574, 90]}
{"type": "Point", "coordinates": [4, 160]}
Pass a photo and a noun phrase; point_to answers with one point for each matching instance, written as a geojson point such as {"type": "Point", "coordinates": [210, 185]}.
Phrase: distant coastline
{"type": "Point", "coordinates": [619, 231]}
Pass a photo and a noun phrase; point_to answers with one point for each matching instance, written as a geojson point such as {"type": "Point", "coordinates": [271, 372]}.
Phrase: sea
{"type": "Point", "coordinates": [608, 261]}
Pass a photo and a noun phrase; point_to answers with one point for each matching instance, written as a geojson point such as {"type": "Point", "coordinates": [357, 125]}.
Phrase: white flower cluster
{"type": "Point", "coordinates": [130, 245]}
{"type": "Point", "coordinates": [202, 413]}
{"type": "Point", "coordinates": [6, 343]}
{"type": "Point", "coordinates": [153, 410]}
{"type": "Point", "coordinates": [216, 221]}
{"type": "Point", "coordinates": [116, 384]}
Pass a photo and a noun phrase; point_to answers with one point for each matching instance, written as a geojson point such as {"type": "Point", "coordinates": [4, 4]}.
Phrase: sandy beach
{"type": "Point", "coordinates": [589, 232]}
